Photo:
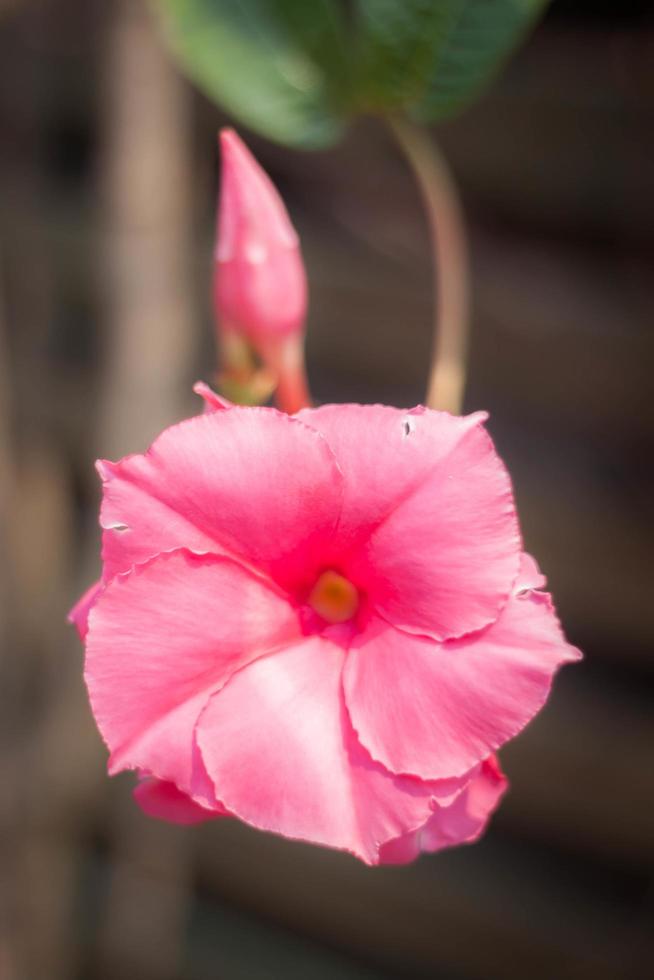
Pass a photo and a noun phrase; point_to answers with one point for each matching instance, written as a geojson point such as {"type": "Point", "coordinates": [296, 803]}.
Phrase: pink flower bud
{"type": "Point", "coordinates": [260, 288]}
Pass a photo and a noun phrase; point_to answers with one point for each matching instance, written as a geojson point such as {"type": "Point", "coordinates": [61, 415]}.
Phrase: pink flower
{"type": "Point", "coordinates": [322, 625]}
{"type": "Point", "coordinates": [260, 287]}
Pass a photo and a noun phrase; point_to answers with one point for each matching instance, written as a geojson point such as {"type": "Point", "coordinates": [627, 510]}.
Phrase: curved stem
{"type": "Point", "coordinates": [292, 389]}
{"type": "Point", "coordinates": [449, 354]}
{"type": "Point", "coordinates": [286, 360]}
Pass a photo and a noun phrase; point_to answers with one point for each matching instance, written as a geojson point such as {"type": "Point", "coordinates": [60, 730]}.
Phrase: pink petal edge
{"type": "Point", "coordinates": [213, 402]}
{"type": "Point", "coordinates": [162, 800]}
{"type": "Point", "coordinates": [162, 638]}
{"type": "Point", "coordinates": [530, 576]}
{"type": "Point", "coordinates": [433, 541]}
{"type": "Point", "coordinates": [462, 822]}
{"type": "Point", "coordinates": [218, 483]}
{"type": "Point", "coordinates": [278, 745]}
{"type": "Point", "coordinates": [79, 614]}
{"type": "Point", "coordinates": [435, 710]}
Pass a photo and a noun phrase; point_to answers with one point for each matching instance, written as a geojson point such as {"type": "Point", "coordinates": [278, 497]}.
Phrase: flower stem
{"type": "Point", "coordinates": [450, 253]}
{"type": "Point", "coordinates": [287, 362]}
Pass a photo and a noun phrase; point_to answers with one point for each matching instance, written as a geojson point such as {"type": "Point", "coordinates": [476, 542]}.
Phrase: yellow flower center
{"type": "Point", "coordinates": [334, 598]}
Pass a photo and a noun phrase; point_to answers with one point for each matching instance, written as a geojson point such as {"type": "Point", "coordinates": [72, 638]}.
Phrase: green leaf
{"type": "Point", "coordinates": [278, 65]}
{"type": "Point", "coordinates": [295, 70]}
{"type": "Point", "coordinates": [481, 37]}
{"type": "Point", "coordinates": [398, 43]}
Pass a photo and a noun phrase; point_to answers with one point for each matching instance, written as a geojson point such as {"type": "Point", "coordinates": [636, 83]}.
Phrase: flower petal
{"type": "Point", "coordinates": [213, 402]}
{"type": "Point", "coordinates": [280, 749]}
{"type": "Point", "coordinates": [384, 454]}
{"type": "Point", "coordinates": [163, 801]}
{"type": "Point", "coordinates": [401, 850]}
{"type": "Point", "coordinates": [429, 509]}
{"type": "Point", "coordinates": [464, 820]}
{"type": "Point", "coordinates": [461, 822]}
{"type": "Point", "coordinates": [529, 575]}
{"type": "Point", "coordinates": [251, 483]}
{"type": "Point", "coordinates": [434, 710]}
{"type": "Point", "coordinates": [79, 614]}
{"type": "Point", "coordinates": [162, 638]}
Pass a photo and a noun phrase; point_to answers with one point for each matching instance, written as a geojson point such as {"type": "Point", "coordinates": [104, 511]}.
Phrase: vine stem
{"type": "Point", "coordinates": [447, 375]}
{"type": "Point", "coordinates": [287, 361]}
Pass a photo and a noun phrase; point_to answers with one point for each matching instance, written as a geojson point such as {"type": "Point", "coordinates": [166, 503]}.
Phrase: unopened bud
{"type": "Point", "coordinates": [260, 288]}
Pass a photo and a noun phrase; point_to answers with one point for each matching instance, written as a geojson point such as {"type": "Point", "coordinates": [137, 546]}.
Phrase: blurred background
{"type": "Point", "coordinates": [108, 180]}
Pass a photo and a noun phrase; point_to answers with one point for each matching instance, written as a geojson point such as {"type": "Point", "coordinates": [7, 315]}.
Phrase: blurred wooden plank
{"type": "Point", "coordinates": [150, 344]}
{"type": "Point", "coordinates": [563, 142]}
{"type": "Point", "coordinates": [44, 888]}
{"type": "Point", "coordinates": [230, 943]}
{"type": "Point", "coordinates": [473, 912]}
{"type": "Point", "coordinates": [144, 262]}
{"type": "Point", "coordinates": [582, 774]}
{"type": "Point", "coordinates": [563, 337]}
{"type": "Point", "coordinates": [597, 551]}
{"type": "Point", "coordinates": [10, 670]}
{"type": "Point", "coordinates": [143, 925]}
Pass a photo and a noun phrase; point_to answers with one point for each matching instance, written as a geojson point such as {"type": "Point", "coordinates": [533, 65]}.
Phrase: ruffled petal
{"type": "Point", "coordinates": [385, 453]}
{"type": "Point", "coordinates": [163, 801]}
{"type": "Point", "coordinates": [278, 744]}
{"type": "Point", "coordinates": [529, 575]}
{"type": "Point", "coordinates": [434, 710]}
{"type": "Point", "coordinates": [251, 483]}
{"type": "Point", "coordinates": [79, 614]}
{"type": "Point", "coordinates": [162, 638]}
{"type": "Point", "coordinates": [461, 822]}
{"type": "Point", "coordinates": [401, 850]}
{"type": "Point", "coordinates": [465, 820]}
{"type": "Point", "coordinates": [213, 402]}
{"type": "Point", "coordinates": [428, 509]}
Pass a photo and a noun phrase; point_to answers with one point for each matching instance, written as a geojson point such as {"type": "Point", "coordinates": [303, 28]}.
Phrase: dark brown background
{"type": "Point", "coordinates": [107, 190]}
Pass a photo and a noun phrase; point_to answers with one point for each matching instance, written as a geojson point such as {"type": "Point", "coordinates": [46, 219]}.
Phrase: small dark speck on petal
{"type": "Point", "coordinates": [408, 426]}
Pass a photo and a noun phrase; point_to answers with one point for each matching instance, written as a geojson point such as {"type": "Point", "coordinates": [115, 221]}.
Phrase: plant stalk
{"type": "Point", "coordinates": [286, 360]}
{"type": "Point", "coordinates": [447, 375]}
